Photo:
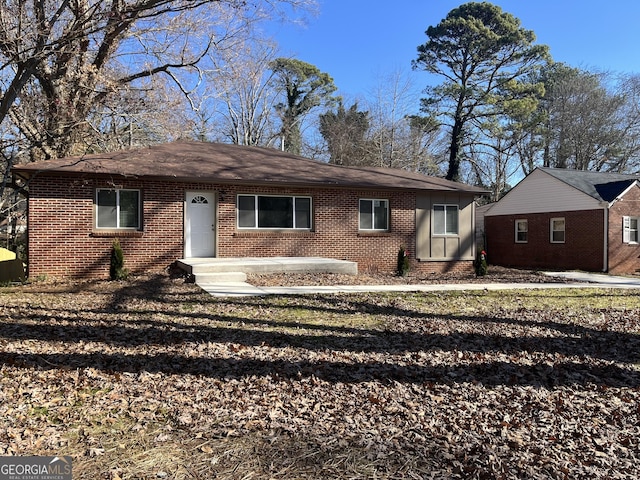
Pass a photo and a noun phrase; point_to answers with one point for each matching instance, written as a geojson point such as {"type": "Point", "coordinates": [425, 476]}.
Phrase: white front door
{"type": "Point", "coordinates": [200, 224]}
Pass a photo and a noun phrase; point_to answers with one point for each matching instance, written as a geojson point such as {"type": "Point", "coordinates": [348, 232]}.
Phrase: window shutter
{"type": "Point", "coordinates": [626, 227]}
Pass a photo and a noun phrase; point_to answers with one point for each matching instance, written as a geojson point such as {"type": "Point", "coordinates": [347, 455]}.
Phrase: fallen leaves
{"type": "Point", "coordinates": [176, 384]}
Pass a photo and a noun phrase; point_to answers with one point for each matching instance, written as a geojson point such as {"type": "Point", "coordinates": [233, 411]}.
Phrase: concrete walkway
{"type": "Point", "coordinates": [601, 279]}
{"type": "Point", "coordinates": [579, 280]}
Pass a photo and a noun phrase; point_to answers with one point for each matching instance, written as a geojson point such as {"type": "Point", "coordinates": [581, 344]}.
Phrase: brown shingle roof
{"type": "Point", "coordinates": [225, 163]}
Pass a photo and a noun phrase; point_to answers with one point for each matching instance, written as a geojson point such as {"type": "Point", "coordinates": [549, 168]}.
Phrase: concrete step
{"type": "Point", "coordinates": [220, 277]}
{"type": "Point", "coordinates": [197, 266]}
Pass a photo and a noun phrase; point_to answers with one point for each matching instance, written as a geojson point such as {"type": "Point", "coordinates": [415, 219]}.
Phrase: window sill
{"type": "Point", "coordinates": [363, 233]}
{"type": "Point", "coordinates": [272, 233]}
{"type": "Point", "coordinates": [445, 259]}
{"type": "Point", "coordinates": [116, 233]}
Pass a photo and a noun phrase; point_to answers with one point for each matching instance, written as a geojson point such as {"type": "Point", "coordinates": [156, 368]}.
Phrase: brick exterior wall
{"type": "Point", "coordinates": [624, 258]}
{"type": "Point", "coordinates": [583, 248]}
{"type": "Point", "coordinates": [63, 242]}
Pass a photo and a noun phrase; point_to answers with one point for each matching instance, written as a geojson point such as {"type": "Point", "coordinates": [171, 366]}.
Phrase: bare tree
{"type": "Point", "coordinates": [71, 55]}
{"type": "Point", "coordinates": [586, 120]}
{"type": "Point", "coordinates": [246, 93]}
{"type": "Point", "coordinates": [628, 157]}
{"type": "Point", "coordinates": [78, 75]}
{"type": "Point", "coordinates": [583, 114]}
{"type": "Point", "coordinates": [493, 157]}
{"type": "Point", "coordinates": [426, 146]}
{"type": "Point", "coordinates": [137, 116]}
{"type": "Point", "coordinates": [396, 139]}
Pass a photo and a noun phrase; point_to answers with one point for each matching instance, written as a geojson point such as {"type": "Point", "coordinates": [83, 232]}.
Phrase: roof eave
{"type": "Point", "coordinates": [27, 173]}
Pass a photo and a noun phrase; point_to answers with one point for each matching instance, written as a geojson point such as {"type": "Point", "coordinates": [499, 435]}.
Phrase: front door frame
{"type": "Point", "coordinates": [213, 197]}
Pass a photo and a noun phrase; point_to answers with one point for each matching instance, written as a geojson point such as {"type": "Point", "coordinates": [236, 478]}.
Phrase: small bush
{"type": "Point", "coordinates": [481, 263]}
{"type": "Point", "coordinates": [117, 270]}
{"type": "Point", "coordinates": [403, 262]}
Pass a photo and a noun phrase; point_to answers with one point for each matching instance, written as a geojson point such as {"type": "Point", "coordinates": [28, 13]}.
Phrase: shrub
{"type": "Point", "coordinates": [403, 262]}
{"type": "Point", "coordinates": [481, 263]}
{"type": "Point", "coordinates": [117, 270]}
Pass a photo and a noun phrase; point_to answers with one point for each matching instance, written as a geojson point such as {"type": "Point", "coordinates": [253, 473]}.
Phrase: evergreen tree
{"type": "Point", "coordinates": [485, 58]}
{"type": "Point", "coordinates": [305, 87]}
{"type": "Point", "coordinates": [345, 132]}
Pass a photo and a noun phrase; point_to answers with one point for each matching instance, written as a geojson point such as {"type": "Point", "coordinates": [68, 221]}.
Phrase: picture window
{"type": "Point", "coordinates": [274, 212]}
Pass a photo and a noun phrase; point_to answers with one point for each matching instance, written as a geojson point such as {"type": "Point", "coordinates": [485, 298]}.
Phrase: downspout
{"type": "Point", "coordinates": [605, 259]}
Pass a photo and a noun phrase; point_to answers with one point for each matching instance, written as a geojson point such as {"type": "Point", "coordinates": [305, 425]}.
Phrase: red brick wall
{"type": "Point", "coordinates": [583, 248]}
{"type": "Point", "coordinates": [624, 258]}
{"type": "Point", "coordinates": [63, 242]}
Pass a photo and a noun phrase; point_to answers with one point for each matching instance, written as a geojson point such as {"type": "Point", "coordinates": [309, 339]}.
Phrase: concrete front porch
{"type": "Point", "coordinates": [224, 270]}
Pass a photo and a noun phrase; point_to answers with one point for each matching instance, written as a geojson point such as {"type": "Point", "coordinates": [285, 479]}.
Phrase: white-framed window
{"type": "Point", "coordinates": [118, 208]}
{"type": "Point", "coordinates": [374, 214]}
{"type": "Point", "coordinates": [271, 211]}
{"type": "Point", "coordinates": [630, 229]}
{"type": "Point", "coordinates": [445, 220]}
{"type": "Point", "coordinates": [522, 231]}
{"type": "Point", "coordinates": [557, 230]}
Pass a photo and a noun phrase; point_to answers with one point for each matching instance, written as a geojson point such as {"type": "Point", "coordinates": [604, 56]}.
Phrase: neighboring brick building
{"type": "Point", "coordinates": [192, 199]}
{"type": "Point", "coordinates": [568, 220]}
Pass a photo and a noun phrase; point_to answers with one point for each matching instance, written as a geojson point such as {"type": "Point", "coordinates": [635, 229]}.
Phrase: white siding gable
{"type": "Point", "coordinates": [540, 192]}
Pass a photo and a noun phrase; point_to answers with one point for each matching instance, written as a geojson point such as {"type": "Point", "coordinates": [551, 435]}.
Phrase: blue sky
{"type": "Point", "coordinates": [359, 42]}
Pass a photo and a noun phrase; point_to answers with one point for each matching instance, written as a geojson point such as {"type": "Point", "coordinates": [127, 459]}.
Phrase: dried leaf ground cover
{"type": "Point", "coordinates": [153, 379]}
{"type": "Point", "coordinates": [496, 274]}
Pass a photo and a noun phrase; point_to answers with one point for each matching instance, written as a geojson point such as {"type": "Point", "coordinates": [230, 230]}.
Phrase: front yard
{"type": "Point", "coordinates": [152, 378]}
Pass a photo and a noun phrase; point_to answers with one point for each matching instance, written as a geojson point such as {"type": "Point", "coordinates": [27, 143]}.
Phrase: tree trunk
{"type": "Point", "coordinates": [454, 151]}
